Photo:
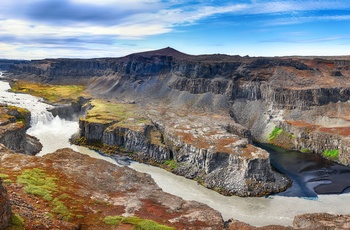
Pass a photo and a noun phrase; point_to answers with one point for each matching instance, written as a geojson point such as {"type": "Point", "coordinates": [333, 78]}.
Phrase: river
{"type": "Point", "coordinates": [54, 133]}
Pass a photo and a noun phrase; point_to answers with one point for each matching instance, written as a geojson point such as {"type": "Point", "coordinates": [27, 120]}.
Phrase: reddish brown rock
{"type": "Point", "coordinates": [5, 209]}
{"type": "Point", "coordinates": [322, 221]}
{"type": "Point", "coordinates": [92, 189]}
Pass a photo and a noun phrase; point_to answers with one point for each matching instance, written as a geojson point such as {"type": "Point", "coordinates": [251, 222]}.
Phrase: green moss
{"type": "Point", "coordinates": [4, 176]}
{"type": "Point", "coordinates": [305, 150]}
{"type": "Point", "coordinates": [60, 209]}
{"type": "Point", "coordinates": [332, 154]}
{"type": "Point", "coordinates": [38, 183]}
{"type": "Point", "coordinates": [172, 164]}
{"type": "Point", "coordinates": [275, 132]}
{"type": "Point", "coordinates": [7, 181]}
{"type": "Point", "coordinates": [138, 223]}
{"type": "Point", "coordinates": [112, 220]}
{"type": "Point", "coordinates": [20, 114]}
{"type": "Point", "coordinates": [16, 222]}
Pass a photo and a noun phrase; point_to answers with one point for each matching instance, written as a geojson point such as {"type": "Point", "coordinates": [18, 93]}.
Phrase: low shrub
{"type": "Point", "coordinates": [172, 164]}
{"type": "Point", "coordinates": [275, 132]}
{"type": "Point", "coordinates": [332, 154]}
{"type": "Point", "coordinates": [305, 150]}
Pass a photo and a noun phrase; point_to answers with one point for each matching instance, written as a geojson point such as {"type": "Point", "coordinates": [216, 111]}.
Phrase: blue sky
{"type": "Point", "coordinates": [33, 29]}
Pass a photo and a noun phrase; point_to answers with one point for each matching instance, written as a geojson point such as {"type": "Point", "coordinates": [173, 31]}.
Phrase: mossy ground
{"type": "Point", "coordinates": [51, 93]}
{"type": "Point", "coordinates": [138, 223]}
{"type": "Point", "coordinates": [126, 115]}
{"type": "Point", "coordinates": [38, 183]}
{"type": "Point", "coordinates": [58, 198]}
{"type": "Point", "coordinates": [16, 222]}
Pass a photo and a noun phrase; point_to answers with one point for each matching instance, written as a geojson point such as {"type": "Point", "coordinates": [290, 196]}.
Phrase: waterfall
{"type": "Point", "coordinates": [36, 106]}
{"type": "Point", "coordinates": [43, 117]}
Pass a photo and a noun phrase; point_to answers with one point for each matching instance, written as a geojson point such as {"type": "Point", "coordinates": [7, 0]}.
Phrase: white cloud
{"type": "Point", "coordinates": [131, 19]}
{"type": "Point", "coordinates": [299, 20]}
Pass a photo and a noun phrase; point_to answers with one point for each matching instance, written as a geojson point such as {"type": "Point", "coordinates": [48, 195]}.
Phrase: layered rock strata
{"type": "Point", "coordinates": [265, 86]}
{"type": "Point", "coordinates": [196, 146]}
{"type": "Point", "coordinates": [259, 93]}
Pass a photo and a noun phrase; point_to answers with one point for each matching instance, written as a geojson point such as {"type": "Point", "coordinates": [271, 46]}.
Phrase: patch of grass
{"type": "Point", "coordinates": [79, 216]}
{"type": "Point", "coordinates": [172, 164]}
{"type": "Point", "coordinates": [138, 223]}
{"type": "Point", "coordinates": [60, 209]}
{"type": "Point", "coordinates": [4, 176]}
{"type": "Point", "coordinates": [104, 111]}
{"type": "Point", "coordinates": [38, 183]}
{"type": "Point", "coordinates": [52, 93]}
{"type": "Point", "coordinates": [7, 181]}
{"type": "Point", "coordinates": [115, 115]}
{"type": "Point", "coordinates": [305, 150]}
{"type": "Point", "coordinates": [16, 222]}
{"type": "Point", "coordinates": [112, 220]}
{"type": "Point", "coordinates": [275, 132]}
{"type": "Point", "coordinates": [332, 154]}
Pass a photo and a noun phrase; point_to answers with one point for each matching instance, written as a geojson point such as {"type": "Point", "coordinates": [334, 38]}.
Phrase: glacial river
{"type": "Point", "coordinates": [55, 132]}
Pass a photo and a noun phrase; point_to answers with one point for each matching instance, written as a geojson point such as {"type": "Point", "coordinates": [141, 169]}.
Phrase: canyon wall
{"type": "Point", "coordinates": [218, 159]}
{"type": "Point", "coordinates": [306, 99]}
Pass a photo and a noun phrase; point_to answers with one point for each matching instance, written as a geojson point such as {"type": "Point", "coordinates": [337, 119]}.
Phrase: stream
{"type": "Point", "coordinates": [54, 132]}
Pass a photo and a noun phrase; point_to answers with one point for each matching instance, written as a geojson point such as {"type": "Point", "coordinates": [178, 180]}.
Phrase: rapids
{"type": "Point", "coordinates": [54, 133]}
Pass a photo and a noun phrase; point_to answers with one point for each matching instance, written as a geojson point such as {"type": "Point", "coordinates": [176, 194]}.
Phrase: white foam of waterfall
{"type": "Point", "coordinates": [39, 109]}
{"type": "Point", "coordinates": [53, 134]}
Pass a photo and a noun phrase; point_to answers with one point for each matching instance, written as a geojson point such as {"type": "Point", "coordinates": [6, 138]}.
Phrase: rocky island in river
{"type": "Point", "coordinates": [198, 116]}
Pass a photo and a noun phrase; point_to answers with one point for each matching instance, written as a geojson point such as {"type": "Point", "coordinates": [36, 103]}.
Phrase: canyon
{"type": "Point", "coordinates": [69, 190]}
{"type": "Point", "coordinates": [306, 99]}
{"type": "Point", "coordinates": [198, 116]}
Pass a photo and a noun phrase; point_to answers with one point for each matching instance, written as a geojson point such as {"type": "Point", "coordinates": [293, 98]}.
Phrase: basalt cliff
{"type": "Point", "coordinates": [201, 114]}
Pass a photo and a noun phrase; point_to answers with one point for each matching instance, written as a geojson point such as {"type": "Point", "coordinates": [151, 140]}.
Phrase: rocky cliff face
{"type": "Point", "coordinates": [194, 146]}
{"type": "Point", "coordinates": [14, 123]}
{"type": "Point", "coordinates": [5, 208]}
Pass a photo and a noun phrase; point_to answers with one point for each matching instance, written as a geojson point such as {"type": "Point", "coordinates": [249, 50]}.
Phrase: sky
{"type": "Point", "coordinates": [36, 29]}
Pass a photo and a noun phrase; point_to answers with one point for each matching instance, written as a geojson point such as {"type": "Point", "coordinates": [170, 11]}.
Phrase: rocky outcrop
{"type": "Point", "coordinates": [5, 208]}
{"type": "Point", "coordinates": [72, 111]}
{"type": "Point", "coordinates": [87, 190]}
{"type": "Point", "coordinates": [314, 221]}
{"type": "Point", "coordinates": [13, 127]}
{"type": "Point", "coordinates": [220, 160]}
{"type": "Point", "coordinates": [322, 221]}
